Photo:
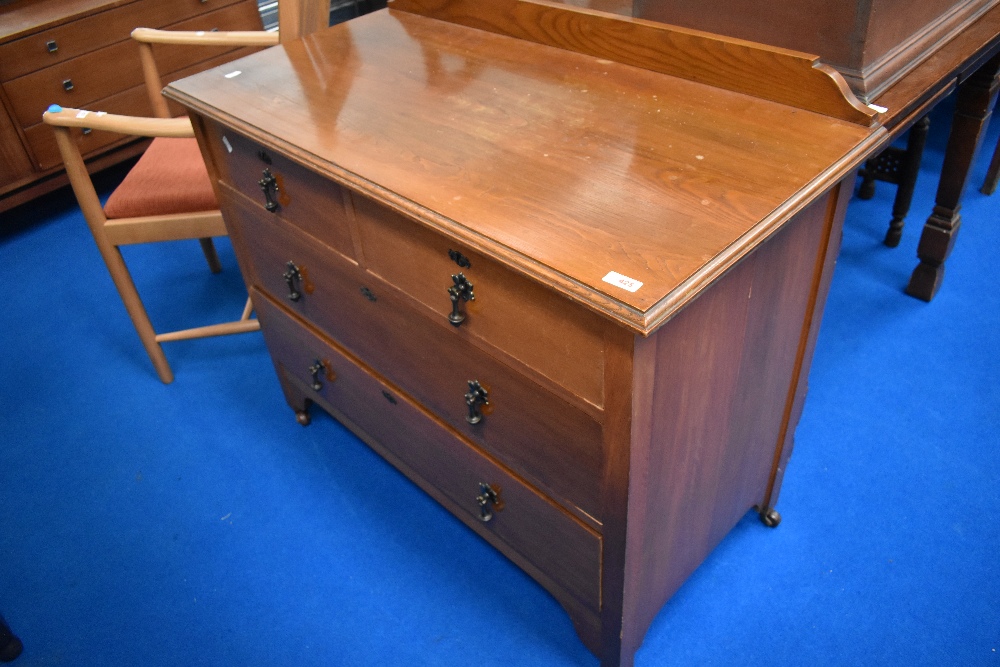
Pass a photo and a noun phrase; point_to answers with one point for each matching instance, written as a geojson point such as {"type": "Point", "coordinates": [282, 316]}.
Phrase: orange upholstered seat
{"type": "Point", "coordinates": [170, 177]}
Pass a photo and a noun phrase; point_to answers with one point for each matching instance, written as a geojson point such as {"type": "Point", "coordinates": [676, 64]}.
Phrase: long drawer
{"type": "Point", "coordinates": [560, 551]}
{"type": "Point", "coordinates": [556, 444]}
{"type": "Point", "coordinates": [520, 317]}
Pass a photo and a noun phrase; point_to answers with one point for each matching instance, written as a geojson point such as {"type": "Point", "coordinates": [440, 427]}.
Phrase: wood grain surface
{"type": "Point", "coordinates": [790, 77]}
{"type": "Point", "coordinates": [666, 181]}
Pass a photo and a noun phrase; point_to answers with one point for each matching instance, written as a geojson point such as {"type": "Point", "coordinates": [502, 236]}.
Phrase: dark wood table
{"type": "Point", "coordinates": [968, 65]}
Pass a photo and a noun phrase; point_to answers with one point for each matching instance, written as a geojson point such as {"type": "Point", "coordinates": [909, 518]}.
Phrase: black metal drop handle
{"type": "Point", "coordinates": [293, 278]}
{"type": "Point", "coordinates": [460, 291]}
{"type": "Point", "coordinates": [269, 186]}
{"type": "Point", "coordinates": [489, 500]}
{"type": "Point", "coordinates": [476, 399]}
{"type": "Point", "coordinates": [314, 370]}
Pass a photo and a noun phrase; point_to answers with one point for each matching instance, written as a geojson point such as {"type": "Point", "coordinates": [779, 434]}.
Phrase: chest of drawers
{"type": "Point", "coordinates": [572, 299]}
{"type": "Point", "coordinates": [79, 54]}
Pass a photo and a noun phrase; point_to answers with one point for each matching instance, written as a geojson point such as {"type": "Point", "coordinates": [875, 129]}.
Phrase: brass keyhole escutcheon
{"type": "Point", "coordinates": [460, 291]}
{"type": "Point", "coordinates": [489, 501]}
{"type": "Point", "coordinates": [459, 258]}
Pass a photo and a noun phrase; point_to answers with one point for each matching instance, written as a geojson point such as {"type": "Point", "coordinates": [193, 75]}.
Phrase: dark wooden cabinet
{"type": "Point", "coordinates": [79, 54]}
{"type": "Point", "coordinates": [574, 300]}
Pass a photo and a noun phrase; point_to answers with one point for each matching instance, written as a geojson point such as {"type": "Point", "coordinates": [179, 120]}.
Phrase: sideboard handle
{"type": "Point", "coordinates": [460, 291]}
{"type": "Point", "coordinates": [269, 185]}
{"type": "Point", "coordinates": [68, 85]}
{"type": "Point", "coordinates": [489, 501]}
{"type": "Point", "coordinates": [476, 399]}
{"type": "Point", "coordinates": [51, 46]}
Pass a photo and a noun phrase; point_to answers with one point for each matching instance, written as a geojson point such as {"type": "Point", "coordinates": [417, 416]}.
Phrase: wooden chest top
{"type": "Point", "coordinates": [564, 166]}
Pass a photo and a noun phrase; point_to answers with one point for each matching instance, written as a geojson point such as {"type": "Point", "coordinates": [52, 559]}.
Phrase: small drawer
{"type": "Point", "coordinates": [293, 193]}
{"type": "Point", "coordinates": [524, 319]}
{"type": "Point", "coordinates": [75, 38]}
{"type": "Point", "coordinates": [529, 527]}
{"type": "Point", "coordinates": [555, 444]}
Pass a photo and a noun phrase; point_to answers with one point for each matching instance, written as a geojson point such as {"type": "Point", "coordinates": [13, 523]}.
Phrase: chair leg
{"type": "Point", "coordinates": [136, 311]}
{"type": "Point", "coordinates": [247, 310]}
{"type": "Point", "coordinates": [211, 257]}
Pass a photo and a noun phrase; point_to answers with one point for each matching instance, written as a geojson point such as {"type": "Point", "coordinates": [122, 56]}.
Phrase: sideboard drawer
{"type": "Point", "coordinates": [75, 83]}
{"type": "Point", "coordinates": [69, 40]}
{"type": "Point", "coordinates": [82, 81]}
{"type": "Point", "coordinates": [133, 101]}
{"type": "Point", "coordinates": [562, 549]}
{"type": "Point", "coordinates": [531, 323]}
{"type": "Point", "coordinates": [299, 196]}
{"type": "Point", "coordinates": [42, 140]}
{"type": "Point", "coordinates": [556, 444]}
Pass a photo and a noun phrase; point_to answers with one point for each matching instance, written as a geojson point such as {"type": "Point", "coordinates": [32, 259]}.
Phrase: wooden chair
{"type": "Point", "coordinates": [296, 18]}
{"type": "Point", "coordinates": [166, 196]}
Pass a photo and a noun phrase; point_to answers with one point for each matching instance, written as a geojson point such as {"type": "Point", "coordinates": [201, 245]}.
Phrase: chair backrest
{"type": "Point", "coordinates": [296, 18]}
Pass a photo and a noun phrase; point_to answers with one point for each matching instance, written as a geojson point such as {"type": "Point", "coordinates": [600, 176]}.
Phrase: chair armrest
{"type": "Point", "coordinates": [132, 125]}
{"type": "Point", "coordinates": [206, 38]}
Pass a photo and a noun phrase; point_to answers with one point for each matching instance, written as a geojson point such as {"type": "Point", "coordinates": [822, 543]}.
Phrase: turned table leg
{"type": "Point", "coordinates": [899, 166]}
{"type": "Point", "coordinates": [992, 174]}
{"type": "Point", "coordinates": [974, 105]}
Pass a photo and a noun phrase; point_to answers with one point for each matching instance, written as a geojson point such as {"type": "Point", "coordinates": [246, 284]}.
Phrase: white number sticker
{"type": "Point", "coordinates": [618, 280]}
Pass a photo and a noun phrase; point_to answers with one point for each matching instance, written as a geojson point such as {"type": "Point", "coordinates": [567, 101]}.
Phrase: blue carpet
{"type": "Point", "coordinates": [198, 524]}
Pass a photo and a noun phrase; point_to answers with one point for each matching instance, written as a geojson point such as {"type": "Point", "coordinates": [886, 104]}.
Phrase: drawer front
{"type": "Point", "coordinates": [555, 444]}
{"type": "Point", "coordinates": [532, 324]}
{"type": "Point", "coordinates": [555, 544]}
{"type": "Point", "coordinates": [102, 73]}
{"type": "Point", "coordinates": [42, 140]}
{"type": "Point", "coordinates": [70, 40]}
{"type": "Point", "coordinates": [299, 196]}
{"type": "Point", "coordinates": [15, 164]}
{"type": "Point", "coordinates": [130, 102]}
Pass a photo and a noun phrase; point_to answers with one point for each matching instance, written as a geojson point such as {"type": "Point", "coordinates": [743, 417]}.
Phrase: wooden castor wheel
{"type": "Point", "coordinates": [302, 417]}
